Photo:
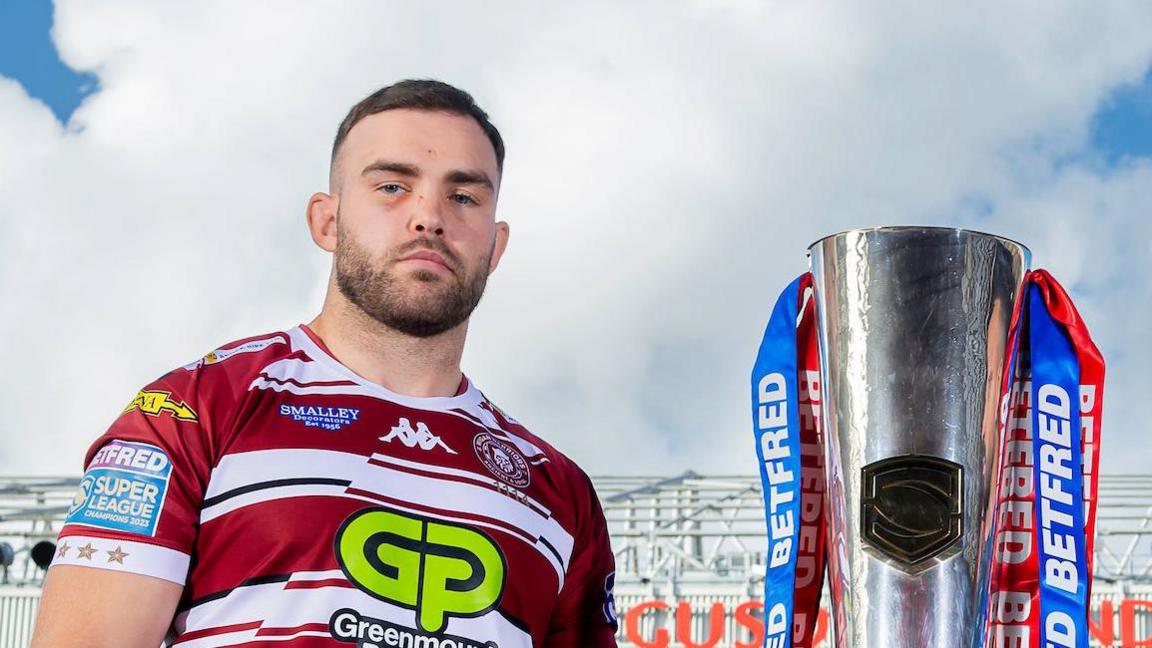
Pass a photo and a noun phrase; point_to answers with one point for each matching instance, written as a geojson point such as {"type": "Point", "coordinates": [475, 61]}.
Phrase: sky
{"type": "Point", "coordinates": [668, 165]}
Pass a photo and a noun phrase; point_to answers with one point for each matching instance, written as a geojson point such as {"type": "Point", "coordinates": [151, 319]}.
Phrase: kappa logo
{"type": "Point", "coordinates": [155, 403]}
{"type": "Point", "coordinates": [420, 437]}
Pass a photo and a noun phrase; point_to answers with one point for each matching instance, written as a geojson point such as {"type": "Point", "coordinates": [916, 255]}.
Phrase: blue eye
{"type": "Point", "coordinates": [464, 199]}
{"type": "Point", "coordinates": [391, 188]}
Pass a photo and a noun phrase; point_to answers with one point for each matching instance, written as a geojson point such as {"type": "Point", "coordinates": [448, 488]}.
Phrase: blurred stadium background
{"type": "Point", "coordinates": [689, 554]}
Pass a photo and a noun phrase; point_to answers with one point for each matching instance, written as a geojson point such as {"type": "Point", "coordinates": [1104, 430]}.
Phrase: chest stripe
{"type": "Point", "coordinates": [274, 483]}
{"type": "Point", "coordinates": [250, 478]}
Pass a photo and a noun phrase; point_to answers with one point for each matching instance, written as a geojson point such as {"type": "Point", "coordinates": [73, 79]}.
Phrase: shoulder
{"type": "Point", "coordinates": [223, 374]}
{"type": "Point", "coordinates": [538, 452]}
{"type": "Point", "coordinates": [243, 354]}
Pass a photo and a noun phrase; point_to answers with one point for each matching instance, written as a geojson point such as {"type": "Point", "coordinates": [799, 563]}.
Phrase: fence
{"type": "Point", "coordinates": [18, 607]}
{"type": "Point", "coordinates": [689, 556]}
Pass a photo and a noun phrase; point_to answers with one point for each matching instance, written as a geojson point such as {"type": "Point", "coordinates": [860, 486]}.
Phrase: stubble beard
{"type": "Point", "coordinates": [418, 303]}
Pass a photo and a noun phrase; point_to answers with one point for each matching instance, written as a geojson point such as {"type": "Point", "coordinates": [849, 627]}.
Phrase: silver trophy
{"type": "Point", "coordinates": [913, 326]}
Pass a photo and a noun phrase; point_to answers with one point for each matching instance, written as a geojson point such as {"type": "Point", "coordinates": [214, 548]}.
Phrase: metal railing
{"type": "Point", "coordinates": [689, 542]}
{"type": "Point", "coordinates": [693, 526]}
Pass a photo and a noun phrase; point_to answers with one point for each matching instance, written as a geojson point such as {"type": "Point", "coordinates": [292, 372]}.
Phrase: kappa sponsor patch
{"type": "Point", "coordinates": [123, 489]}
{"type": "Point", "coordinates": [420, 437]}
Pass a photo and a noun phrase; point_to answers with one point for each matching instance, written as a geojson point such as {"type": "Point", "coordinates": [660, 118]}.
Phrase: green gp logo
{"type": "Point", "coordinates": [436, 568]}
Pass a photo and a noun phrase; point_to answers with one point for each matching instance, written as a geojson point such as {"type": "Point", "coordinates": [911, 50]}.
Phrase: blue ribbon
{"type": "Point", "coordinates": [776, 426]}
{"type": "Point", "coordinates": [1058, 480]}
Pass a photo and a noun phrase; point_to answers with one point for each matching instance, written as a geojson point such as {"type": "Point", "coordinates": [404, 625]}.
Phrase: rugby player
{"type": "Point", "coordinates": [342, 482]}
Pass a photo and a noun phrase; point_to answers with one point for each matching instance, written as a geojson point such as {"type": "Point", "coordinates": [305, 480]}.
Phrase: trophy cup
{"type": "Point", "coordinates": [913, 328]}
{"type": "Point", "coordinates": [927, 418]}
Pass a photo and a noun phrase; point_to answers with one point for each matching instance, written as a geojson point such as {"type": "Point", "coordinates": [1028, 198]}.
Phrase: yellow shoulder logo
{"type": "Point", "coordinates": [154, 403]}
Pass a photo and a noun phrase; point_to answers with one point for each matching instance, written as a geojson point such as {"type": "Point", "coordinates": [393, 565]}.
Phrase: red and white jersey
{"type": "Point", "coordinates": [302, 505]}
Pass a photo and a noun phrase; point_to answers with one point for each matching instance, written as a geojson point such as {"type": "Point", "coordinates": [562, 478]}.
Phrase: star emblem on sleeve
{"type": "Point", "coordinates": [117, 555]}
{"type": "Point", "coordinates": [64, 547]}
{"type": "Point", "coordinates": [86, 551]}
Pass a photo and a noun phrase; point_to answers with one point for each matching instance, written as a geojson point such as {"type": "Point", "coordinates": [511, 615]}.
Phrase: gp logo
{"type": "Point", "coordinates": [436, 568]}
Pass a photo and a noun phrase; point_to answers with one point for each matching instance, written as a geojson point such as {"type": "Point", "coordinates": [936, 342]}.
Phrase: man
{"type": "Point", "coordinates": [343, 482]}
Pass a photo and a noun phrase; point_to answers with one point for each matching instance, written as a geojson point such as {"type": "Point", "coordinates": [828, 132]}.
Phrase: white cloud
{"type": "Point", "coordinates": [668, 165]}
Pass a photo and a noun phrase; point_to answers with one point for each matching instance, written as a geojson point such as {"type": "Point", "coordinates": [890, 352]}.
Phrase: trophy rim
{"type": "Point", "coordinates": [921, 228]}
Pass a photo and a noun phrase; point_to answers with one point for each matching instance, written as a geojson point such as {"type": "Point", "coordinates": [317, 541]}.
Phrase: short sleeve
{"type": "Point", "coordinates": [138, 505]}
{"type": "Point", "coordinates": [585, 616]}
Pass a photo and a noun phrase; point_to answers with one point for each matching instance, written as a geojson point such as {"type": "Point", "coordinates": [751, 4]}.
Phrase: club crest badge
{"type": "Point", "coordinates": [502, 459]}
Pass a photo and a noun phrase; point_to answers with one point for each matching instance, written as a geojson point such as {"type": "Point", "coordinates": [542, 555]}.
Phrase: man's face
{"type": "Point", "coordinates": [416, 230]}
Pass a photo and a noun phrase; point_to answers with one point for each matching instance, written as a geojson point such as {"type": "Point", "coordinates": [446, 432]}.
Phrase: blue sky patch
{"type": "Point", "coordinates": [1123, 125]}
{"type": "Point", "coordinates": [28, 55]}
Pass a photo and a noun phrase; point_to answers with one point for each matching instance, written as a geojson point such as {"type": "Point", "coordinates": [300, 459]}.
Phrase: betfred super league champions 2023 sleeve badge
{"type": "Point", "coordinates": [123, 489]}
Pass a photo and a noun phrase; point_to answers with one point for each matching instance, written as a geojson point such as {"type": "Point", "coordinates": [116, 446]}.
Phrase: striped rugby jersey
{"type": "Point", "coordinates": [302, 505]}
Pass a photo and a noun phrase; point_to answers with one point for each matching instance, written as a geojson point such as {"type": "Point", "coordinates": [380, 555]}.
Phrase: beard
{"type": "Point", "coordinates": [418, 303]}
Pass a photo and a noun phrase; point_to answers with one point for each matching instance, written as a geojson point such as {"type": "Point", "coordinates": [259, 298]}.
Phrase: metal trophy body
{"type": "Point", "coordinates": [913, 326]}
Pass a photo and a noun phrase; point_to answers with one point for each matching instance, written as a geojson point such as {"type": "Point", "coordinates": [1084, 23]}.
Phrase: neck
{"type": "Point", "coordinates": [419, 367]}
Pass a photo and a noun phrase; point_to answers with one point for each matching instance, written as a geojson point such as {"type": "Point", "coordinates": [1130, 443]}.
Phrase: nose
{"type": "Point", "coordinates": [426, 217]}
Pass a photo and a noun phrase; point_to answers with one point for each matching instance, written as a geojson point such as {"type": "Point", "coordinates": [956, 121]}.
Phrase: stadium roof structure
{"type": "Point", "coordinates": [696, 528]}
{"type": "Point", "coordinates": [690, 528]}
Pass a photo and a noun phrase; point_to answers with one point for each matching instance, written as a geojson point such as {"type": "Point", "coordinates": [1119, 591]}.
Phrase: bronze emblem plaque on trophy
{"type": "Point", "coordinates": [912, 508]}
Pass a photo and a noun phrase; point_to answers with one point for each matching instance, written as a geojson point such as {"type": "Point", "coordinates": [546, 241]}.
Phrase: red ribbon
{"type": "Point", "coordinates": [810, 556]}
{"type": "Point", "coordinates": [1014, 610]}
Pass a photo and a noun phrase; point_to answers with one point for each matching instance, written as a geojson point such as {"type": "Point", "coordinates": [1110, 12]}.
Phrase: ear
{"type": "Point", "coordinates": [322, 210]}
{"type": "Point", "coordinates": [499, 245]}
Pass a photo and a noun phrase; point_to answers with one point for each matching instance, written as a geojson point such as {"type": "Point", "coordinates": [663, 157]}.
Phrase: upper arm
{"type": "Point", "coordinates": [123, 554]}
{"type": "Point", "coordinates": [94, 608]}
{"type": "Point", "coordinates": [585, 615]}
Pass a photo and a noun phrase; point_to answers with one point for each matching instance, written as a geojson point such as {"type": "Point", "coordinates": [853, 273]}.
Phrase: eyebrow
{"type": "Point", "coordinates": [391, 167]}
{"type": "Point", "coordinates": [456, 176]}
{"type": "Point", "coordinates": [469, 176]}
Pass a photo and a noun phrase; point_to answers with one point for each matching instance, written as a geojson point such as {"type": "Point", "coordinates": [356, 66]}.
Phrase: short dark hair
{"type": "Point", "coordinates": [421, 94]}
